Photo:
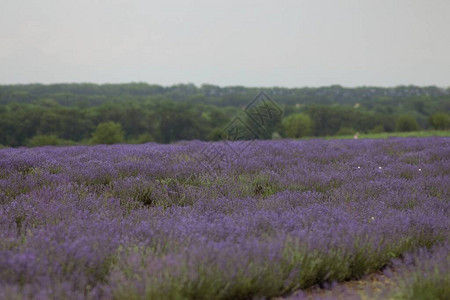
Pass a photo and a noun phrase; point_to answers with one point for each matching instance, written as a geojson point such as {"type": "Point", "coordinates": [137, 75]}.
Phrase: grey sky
{"type": "Point", "coordinates": [251, 43]}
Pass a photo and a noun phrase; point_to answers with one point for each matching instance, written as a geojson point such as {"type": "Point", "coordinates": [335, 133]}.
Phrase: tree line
{"type": "Point", "coordinates": [33, 115]}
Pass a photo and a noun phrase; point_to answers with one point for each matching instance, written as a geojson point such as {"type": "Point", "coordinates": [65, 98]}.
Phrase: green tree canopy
{"type": "Point", "coordinates": [43, 139]}
{"type": "Point", "coordinates": [440, 121]}
{"type": "Point", "coordinates": [108, 133]}
{"type": "Point", "coordinates": [406, 123]}
{"type": "Point", "coordinates": [297, 125]}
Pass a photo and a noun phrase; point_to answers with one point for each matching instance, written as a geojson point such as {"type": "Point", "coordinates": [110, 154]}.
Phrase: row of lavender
{"type": "Point", "coordinates": [156, 222]}
{"type": "Point", "coordinates": [422, 274]}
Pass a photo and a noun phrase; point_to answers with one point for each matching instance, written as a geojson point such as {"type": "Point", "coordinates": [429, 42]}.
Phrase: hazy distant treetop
{"type": "Point", "coordinates": [231, 95]}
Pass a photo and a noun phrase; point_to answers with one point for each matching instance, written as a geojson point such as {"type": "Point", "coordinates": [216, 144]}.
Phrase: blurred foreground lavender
{"type": "Point", "coordinates": [152, 222]}
{"type": "Point", "coordinates": [422, 274]}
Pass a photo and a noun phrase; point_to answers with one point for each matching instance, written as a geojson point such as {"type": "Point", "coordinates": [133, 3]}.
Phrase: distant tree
{"type": "Point", "coordinates": [440, 121]}
{"type": "Point", "coordinates": [178, 125]}
{"type": "Point", "coordinates": [346, 131]}
{"type": "Point", "coordinates": [297, 125]}
{"type": "Point", "coordinates": [419, 105]}
{"type": "Point", "coordinates": [264, 118]}
{"type": "Point", "coordinates": [48, 140]}
{"type": "Point", "coordinates": [377, 129]}
{"type": "Point", "coordinates": [406, 123]}
{"type": "Point", "coordinates": [142, 139]}
{"type": "Point", "coordinates": [43, 140]}
{"type": "Point", "coordinates": [326, 120]}
{"type": "Point", "coordinates": [108, 133]}
{"type": "Point", "coordinates": [215, 134]}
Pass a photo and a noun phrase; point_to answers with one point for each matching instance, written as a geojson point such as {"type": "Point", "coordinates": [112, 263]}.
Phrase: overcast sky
{"type": "Point", "coordinates": [252, 43]}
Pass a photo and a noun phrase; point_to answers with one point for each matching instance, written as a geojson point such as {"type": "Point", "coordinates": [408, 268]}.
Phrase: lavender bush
{"type": "Point", "coordinates": [420, 274]}
{"type": "Point", "coordinates": [155, 222]}
{"type": "Point", "coordinates": [423, 274]}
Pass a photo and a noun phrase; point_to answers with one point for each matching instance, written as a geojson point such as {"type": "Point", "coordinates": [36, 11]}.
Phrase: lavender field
{"type": "Point", "coordinates": [160, 222]}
